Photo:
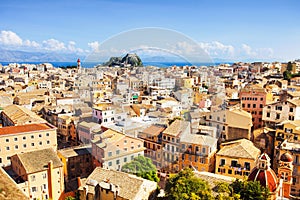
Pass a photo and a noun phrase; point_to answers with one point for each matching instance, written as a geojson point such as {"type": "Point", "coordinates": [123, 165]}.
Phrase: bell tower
{"type": "Point", "coordinates": [285, 171]}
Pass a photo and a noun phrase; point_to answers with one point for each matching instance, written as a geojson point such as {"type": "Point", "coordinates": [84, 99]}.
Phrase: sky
{"type": "Point", "coordinates": [230, 30]}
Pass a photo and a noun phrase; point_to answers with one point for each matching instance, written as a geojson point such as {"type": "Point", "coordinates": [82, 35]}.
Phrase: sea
{"type": "Point", "coordinates": [93, 64]}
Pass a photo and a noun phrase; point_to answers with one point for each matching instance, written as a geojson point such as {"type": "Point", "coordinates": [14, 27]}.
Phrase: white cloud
{"type": "Point", "coordinates": [94, 46]}
{"type": "Point", "coordinates": [217, 49]}
{"type": "Point", "coordinates": [72, 47]}
{"type": "Point", "coordinates": [29, 43]}
{"type": "Point", "coordinates": [53, 45]}
{"type": "Point", "coordinates": [10, 38]}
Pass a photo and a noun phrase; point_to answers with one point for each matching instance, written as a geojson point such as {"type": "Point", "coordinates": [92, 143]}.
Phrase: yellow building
{"type": "Point", "coordinates": [197, 151]}
{"type": "Point", "coordinates": [236, 158]}
{"type": "Point", "coordinates": [24, 138]}
{"type": "Point", "coordinates": [39, 174]}
{"type": "Point", "coordinates": [188, 82]}
{"type": "Point", "coordinates": [287, 140]}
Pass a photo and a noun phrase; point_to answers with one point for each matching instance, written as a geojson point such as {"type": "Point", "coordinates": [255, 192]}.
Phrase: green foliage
{"type": "Point", "coordinates": [289, 67]}
{"type": "Point", "coordinates": [142, 167]}
{"type": "Point", "coordinates": [250, 190]}
{"type": "Point", "coordinates": [185, 185]}
{"type": "Point", "coordinates": [287, 75]}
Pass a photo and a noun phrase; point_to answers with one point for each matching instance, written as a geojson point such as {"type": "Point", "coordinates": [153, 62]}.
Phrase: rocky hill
{"type": "Point", "coordinates": [130, 60]}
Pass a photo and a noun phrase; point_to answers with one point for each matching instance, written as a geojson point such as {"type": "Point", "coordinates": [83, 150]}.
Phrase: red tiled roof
{"type": "Point", "coordinates": [24, 128]}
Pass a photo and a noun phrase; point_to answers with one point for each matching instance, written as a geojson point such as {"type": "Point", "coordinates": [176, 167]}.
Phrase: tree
{"type": "Point", "coordinates": [185, 185]}
{"type": "Point", "coordinates": [250, 190]}
{"type": "Point", "coordinates": [289, 67]}
{"type": "Point", "coordinates": [142, 167]}
{"type": "Point", "coordinates": [287, 75]}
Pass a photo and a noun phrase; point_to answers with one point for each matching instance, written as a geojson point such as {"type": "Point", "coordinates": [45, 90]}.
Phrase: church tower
{"type": "Point", "coordinates": [285, 171]}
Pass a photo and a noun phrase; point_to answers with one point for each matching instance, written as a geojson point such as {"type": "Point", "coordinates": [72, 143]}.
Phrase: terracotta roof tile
{"type": "Point", "coordinates": [25, 128]}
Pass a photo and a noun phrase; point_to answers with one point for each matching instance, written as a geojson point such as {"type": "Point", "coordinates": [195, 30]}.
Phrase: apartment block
{"type": "Point", "coordinates": [236, 158]}
{"type": "Point", "coordinates": [25, 138]}
{"type": "Point", "coordinates": [197, 151]}
{"type": "Point", "coordinates": [113, 149]}
{"type": "Point", "coordinates": [152, 137]}
{"type": "Point", "coordinates": [253, 100]}
{"type": "Point", "coordinates": [39, 173]}
{"type": "Point", "coordinates": [171, 143]}
{"type": "Point", "coordinates": [77, 162]}
{"type": "Point", "coordinates": [280, 111]}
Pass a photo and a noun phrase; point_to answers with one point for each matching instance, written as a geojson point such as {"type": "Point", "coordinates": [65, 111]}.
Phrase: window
{"type": "Point", "coordinates": [109, 163]}
{"type": "Point", "coordinates": [32, 136]}
{"type": "Point", "coordinates": [229, 171]}
{"type": "Point", "coordinates": [243, 105]}
{"type": "Point", "coordinates": [125, 159]}
{"type": "Point", "coordinates": [16, 147]}
{"type": "Point", "coordinates": [268, 114]}
{"type": "Point", "coordinates": [109, 154]}
{"type": "Point", "coordinates": [7, 140]}
{"type": "Point", "coordinates": [278, 107]}
{"type": "Point", "coordinates": [48, 142]}
{"type": "Point", "coordinates": [125, 149]}
{"type": "Point", "coordinates": [125, 141]}
{"type": "Point", "coordinates": [132, 147]}
{"type": "Point", "coordinates": [118, 152]}
{"type": "Point", "coordinates": [132, 157]}
{"type": "Point", "coordinates": [203, 150]}
{"type": "Point", "coordinates": [40, 143]}
{"type": "Point", "coordinates": [261, 106]}
{"type": "Point", "coordinates": [32, 144]}
{"type": "Point", "coordinates": [222, 162]}
{"type": "Point", "coordinates": [34, 189]}
{"type": "Point", "coordinates": [254, 105]}
{"type": "Point", "coordinates": [44, 187]}
{"type": "Point", "coordinates": [248, 105]}
{"type": "Point", "coordinates": [24, 137]}
{"type": "Point", "coordinates": [291, 110]}
{"type": "Point", "coordinates": [44, 175]}
{"type": "Point", "coordinates": [7, 148]}
{"type": "Point", "coordinates": [117, 162]}
{"type": "Point", "coordinates": [247, 166]}
{"type": "Point", "coordinates": [0, 160]}
{"type": "Point", "coordinates": [32, 178]}
{"type": "Point", "coordinates": [105, 120]}
{"type": "Point", "coordinates": [47, 134]}
{"type": "Point", "coordinates": [8, 157]}
{"type": "Point", "coordinates": [233, 163]}
{"type": "Point", "coordinates": [15, 139]}
{"type": "Point", "coordinates": [277, 116]}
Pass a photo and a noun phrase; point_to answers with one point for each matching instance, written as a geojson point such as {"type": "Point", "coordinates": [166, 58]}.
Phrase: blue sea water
{"type": "Point", "coordinates": [92, 64]}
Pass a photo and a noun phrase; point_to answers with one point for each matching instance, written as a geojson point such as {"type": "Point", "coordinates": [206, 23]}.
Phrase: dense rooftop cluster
{"type": "Point", "coordinates": [72, 129]}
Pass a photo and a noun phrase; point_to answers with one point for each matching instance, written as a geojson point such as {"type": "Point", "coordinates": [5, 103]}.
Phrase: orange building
{"type": "Point", "coordinates": [152, 137]}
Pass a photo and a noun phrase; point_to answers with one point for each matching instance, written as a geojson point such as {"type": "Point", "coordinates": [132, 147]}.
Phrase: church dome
{"type": "Point", "coordinates": [264, 174]}
{"type": "Point", "coordinates": [286, 157]}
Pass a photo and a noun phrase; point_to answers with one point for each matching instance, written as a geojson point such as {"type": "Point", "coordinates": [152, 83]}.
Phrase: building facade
{"type": "Point", "coordinates": [24, 138]}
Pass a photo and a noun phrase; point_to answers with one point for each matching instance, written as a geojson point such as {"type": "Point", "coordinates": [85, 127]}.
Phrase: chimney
{"type": "Point", "coordinates": [50, 176]}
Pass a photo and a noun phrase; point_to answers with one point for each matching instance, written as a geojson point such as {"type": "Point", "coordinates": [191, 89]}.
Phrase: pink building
{"type": "Point", "coordinates": [253, 100]}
